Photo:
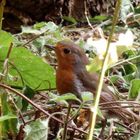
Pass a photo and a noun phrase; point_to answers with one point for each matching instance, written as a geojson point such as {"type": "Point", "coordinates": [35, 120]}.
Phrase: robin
{"type": "Point", "coordinates": [73, 77]}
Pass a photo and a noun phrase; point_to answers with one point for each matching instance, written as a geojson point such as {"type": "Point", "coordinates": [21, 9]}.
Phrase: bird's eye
{"type": "Point", "coordinates": [66, 50]}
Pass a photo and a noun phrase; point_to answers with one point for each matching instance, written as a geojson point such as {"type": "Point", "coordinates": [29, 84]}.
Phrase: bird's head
{"type": "Point", "coordinates": [69, 54]}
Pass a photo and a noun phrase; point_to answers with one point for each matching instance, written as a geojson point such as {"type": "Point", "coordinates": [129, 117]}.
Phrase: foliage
{"type": "Point", "coordinates": [134, 89]}
{"type": "Point", "coordinates": [37, 130]}
{"type": "Point", "coordinates": [23, 69]}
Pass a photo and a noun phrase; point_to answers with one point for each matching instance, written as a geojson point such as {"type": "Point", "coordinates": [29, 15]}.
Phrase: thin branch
{"type": "Point", "coordinates": [66, 123]}
{"type": "Point", "coordinates": [2, 4]}
{"type": "Point", "coordinates": [19, 111]}
{"type": "Point", "coordinates": [130, 129]}
{"type": "Point", "coordinates": [5, 65]}
{"type": "Point", "coordinates": [87, 16]}
{"type": "Point", "coordinates": [111, 130]}
{"type": "Point", "coordinates": [28, 100]}
{"type": "Point", "coordinates": [120, 102]}
{"type": "Point", "coordinates": [118, 107]}
{"type": "Point", "coordinates": [36, 106]}
{"type": "Point", "coordinates": [22, 80]}
{"type": "Point", "coordinates": [34, 38]}
{"type": "Point", "coordinates": [124, 61]}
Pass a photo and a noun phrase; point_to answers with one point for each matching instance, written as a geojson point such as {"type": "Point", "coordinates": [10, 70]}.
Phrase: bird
{"type": "Point", "coordinates": [73, 77]}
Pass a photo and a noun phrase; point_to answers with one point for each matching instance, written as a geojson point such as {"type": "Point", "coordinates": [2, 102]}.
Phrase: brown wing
{"type": "Point", "coordinates": [90, 82]}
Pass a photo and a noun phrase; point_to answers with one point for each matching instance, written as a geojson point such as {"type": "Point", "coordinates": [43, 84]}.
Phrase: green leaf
{"type": "Point", "coordinates": [87, 96]}
{"type": "Point", "coordinates": [137, 9]}
{"type": "Point", "coordinates": [63, 98]}
{"type": "Point", "coordinates": [130, 68]}
{"type": "Point", "coordinates": [99, 113]}
{"type": "Point", "coordinates": [134, 89]}
{"type": "Point", "coordinates": [30, 30]}
{"type": "Point", "coordinates": [52, 34]}
{"type": "Point", "coordinates": [40, 28]}
{"type": "Point", "coordinates": [37, 130]}
{"type": "Point", "coordinates": [28, 92]}
{"type": "Point", "coordinates": [28, 69]}
{"type": "Point", "coordinates": [8, 123]}
{"type": "Point", "coordinates": [129, 54]}
{"type": "Point", "coordinates": [115, 78]}
{"type": "Point", "coordinates": [5, 39]}
{"type": "Point", "coordinates": [130, 71]}
{"type": "Point", "coordinates": [95, 65]}
{"type": "Point", "coordinates": [52, 27]}
{"type": "Point", "coordinates": [39, 25]}
{"type": "Point", "coordinates": [70, 19]}
{"type": "Point", "coordinates": [7, 117]}
{"type": "Point", "coordinates": [129, 78]}
{"type": "Point", "coordinates": [98, 18]}
{"type": "Point", "coordinates": [39, 43]}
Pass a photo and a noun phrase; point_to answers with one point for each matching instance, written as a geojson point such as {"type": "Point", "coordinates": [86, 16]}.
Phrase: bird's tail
{"type": "Point", "coordinates": [109, 102]}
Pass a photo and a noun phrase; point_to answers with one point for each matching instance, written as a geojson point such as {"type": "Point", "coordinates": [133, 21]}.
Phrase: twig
{"type": "Point", "coordinates": [117, 107]}
{"type": "Point", "coordinates": [111, 129]}
{"type": "Point", "coordinates": [120, 102]}
{"type": "Point", "coordinates": [125, 127]}
{"type": "Point", "coordinates": [79, 108]}
{"type": "Point", "coordinates": [20, 113]}
{"type": "Point", "coordinates": [87, 16]}
{"type": "Point", "coordinates": [9, 51]}
{"type": "Point", "coordinates": [34, 38]}
{"type": "Point", "coordinates": [104, 23]}
{"type": "Point", "coordinates": [93, 29]}
{"type": "Point", "coordinates": [2, 4]}
{"type": "Point", "coordinates": [124, 61]}
{"type": "Point", "coordinates": [28, 100]}
{"type": "Point", "coordinates": [66, 123]}
{"type": "Point", "coordinates": [20, 87]}
{"type": "Point", "coordinates": [5, 65]}
{"type": "Point", "coordinates": [36, 106]}
{"type": "Point", "coordinates": [18, 73]}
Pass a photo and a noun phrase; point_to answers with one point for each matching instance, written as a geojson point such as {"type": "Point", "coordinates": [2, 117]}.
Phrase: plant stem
{"type": "Point", "coordinates": [66, 123]}
{"type": "Point", "coordinates": [2, 4]}
{"type": "Point", "coordinates": [94, 107]}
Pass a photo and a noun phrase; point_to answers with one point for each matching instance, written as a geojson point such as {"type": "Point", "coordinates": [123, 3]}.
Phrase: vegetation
{"type": "Point", "coordinates": [31, 107]}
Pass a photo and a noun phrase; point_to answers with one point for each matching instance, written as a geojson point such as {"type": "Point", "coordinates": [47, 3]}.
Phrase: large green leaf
{"type": "Point", "coordinates": [34, 72]}
{"type": "Point", "coordinates": [5, 39]}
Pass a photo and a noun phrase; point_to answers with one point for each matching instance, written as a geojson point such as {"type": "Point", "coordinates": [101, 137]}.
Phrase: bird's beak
{"type": "Point", "coordinates": [50, 47]}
